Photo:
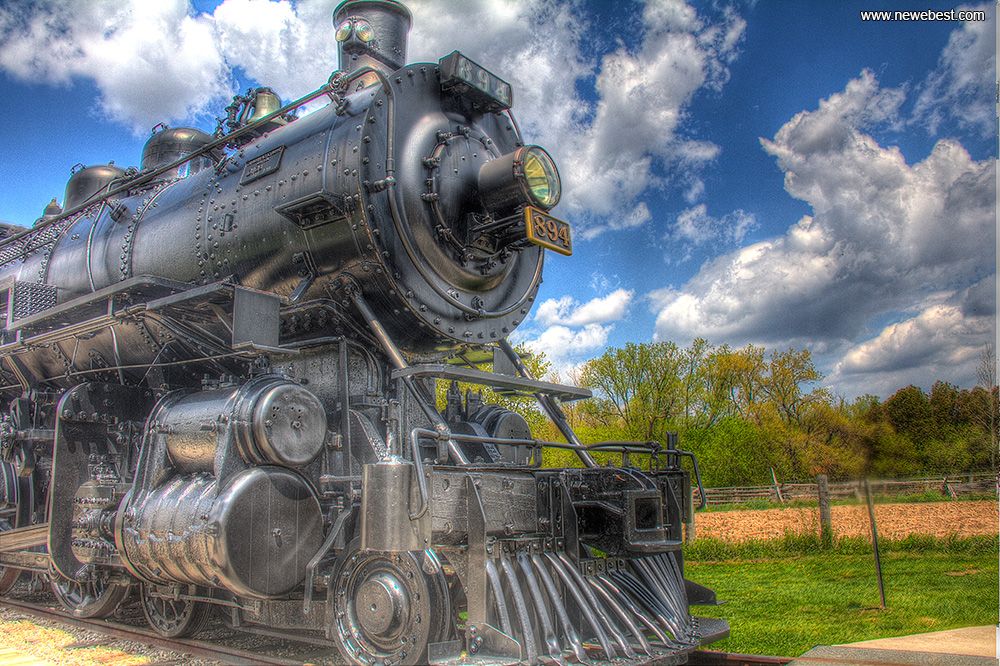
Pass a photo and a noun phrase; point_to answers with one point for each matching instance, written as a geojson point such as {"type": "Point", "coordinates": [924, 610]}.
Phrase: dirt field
{"type": "Point", "coordinates": [894, 521]}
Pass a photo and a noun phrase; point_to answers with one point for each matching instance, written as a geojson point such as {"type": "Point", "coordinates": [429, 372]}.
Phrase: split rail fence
{"type": "Point", "coordinates": [952, 485]}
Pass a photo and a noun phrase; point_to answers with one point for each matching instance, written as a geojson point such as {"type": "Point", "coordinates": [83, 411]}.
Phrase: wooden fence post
{"type": "Point", "coordinates": [825, 524]}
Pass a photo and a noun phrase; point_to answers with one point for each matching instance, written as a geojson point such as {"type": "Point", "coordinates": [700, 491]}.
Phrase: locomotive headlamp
{"type": "Point", "coordinates": [525, 177]}
{"type": "Point", "coordinates": [539, 172]}
{"type": "Point", "coordinates": [359, 28]}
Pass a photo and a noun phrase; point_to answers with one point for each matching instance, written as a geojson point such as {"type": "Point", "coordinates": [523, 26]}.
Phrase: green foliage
{"type": "Point", "coordinates": [747, 411]}
{"type": "Point", "coordinates": [735, 452]}
{"type": "Point", "coordinates": [946, 430]}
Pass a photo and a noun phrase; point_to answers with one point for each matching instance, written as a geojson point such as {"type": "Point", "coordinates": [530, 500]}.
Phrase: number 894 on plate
{"type": "Point", "coordinates": [548, 231]}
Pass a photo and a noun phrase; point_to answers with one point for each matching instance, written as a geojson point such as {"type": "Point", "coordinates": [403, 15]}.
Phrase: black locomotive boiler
{"type": "Point", "coordinates": [218, 377]}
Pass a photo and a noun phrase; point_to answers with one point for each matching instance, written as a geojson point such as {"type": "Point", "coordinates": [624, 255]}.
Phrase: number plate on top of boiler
{"type": "Point", "coordinates": [548, 231]}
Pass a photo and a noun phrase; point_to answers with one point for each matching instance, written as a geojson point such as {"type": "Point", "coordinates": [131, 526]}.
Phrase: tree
{"type": "Point", "coordinates": [742, 372]}
{"type": "Point", "coordinates": [698, 410]}
{"type": "Point", "coordinates": [638, 386]}
{"type": "Point", "coordinates": [908, 411]}
{"type": "Point", "coordinates": [787, 373]}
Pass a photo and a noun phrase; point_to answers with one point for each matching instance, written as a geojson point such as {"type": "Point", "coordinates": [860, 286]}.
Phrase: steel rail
{"type": "Point", "coordinates": [712, 658]}
{"type": "Point", "coordinates": [194, 648]}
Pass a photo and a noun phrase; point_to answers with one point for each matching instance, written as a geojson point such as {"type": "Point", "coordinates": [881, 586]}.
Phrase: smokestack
{"type": "Point", "coordinates": [372, 33]}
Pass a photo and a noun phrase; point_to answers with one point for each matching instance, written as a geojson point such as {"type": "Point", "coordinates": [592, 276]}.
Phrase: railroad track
{"type": "Point", "coordinates": [306, 654]}
{"type": "Point", "coordinates": [189, 648]}
{"type": "Point", "coordinates": [712, 658]}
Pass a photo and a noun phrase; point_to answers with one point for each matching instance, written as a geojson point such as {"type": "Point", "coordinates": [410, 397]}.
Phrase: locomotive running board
{"type": "Point", "coordinates": [493, 380]}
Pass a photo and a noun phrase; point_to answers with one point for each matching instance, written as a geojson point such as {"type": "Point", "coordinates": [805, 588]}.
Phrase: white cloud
{"type": "Point", "coordinates": [151, 61]}
{"type": "Point", "coordinates": [942, 341]}
{"type": "Point", "coordinates": [883, 234]}
{"type": "Point", "coordinates": [288, 47]}
{"type": "Point", "coordinates": [963, 86]}
{"type": "Point", "coordinates": [610, 162]}
{"type": "Point", "coordinates": [697, 227]}
{"type": "Point", "coordinates": [566, 311]}
{"type": "Point", "coordinates": [569, 332]}
{"type": "Point", "coordinates": [566, 348]}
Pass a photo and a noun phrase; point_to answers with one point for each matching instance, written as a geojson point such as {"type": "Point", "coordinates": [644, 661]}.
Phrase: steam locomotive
{"type": "Point", "coordinates": [219, 372]}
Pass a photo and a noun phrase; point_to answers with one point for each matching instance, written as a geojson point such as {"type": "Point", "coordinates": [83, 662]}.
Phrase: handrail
{"type": "Point", "coordinates": [145, 177]}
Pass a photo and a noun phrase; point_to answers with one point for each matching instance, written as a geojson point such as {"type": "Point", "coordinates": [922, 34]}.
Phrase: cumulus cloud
{"type": "Point", "coordinates": [943, 340]}
{"type": "Point", "coordinates": [565, 347]}
{"type": "Point", "coordinates": [697, 227]}
{"type": "Point", "coordinates": [883, 234]}
{"type": "Point", "coordinates": [963, 86]}
{"type": "Point", "coordinates": [634, 137]}
{"type": "Point", "coordinates": [569, 332]}
{"type": "Point", "coordinates": [151, 61]}
{"type": "Point", "coordinates": [288, 47]}
{"type": "Point", "coordinates": [566, 311]}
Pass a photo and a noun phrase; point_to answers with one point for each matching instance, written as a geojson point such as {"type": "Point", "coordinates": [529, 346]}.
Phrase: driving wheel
{"type": "Point", "coordinates": [173, 617]}
{"type": "Point", "coordinates": [94, 598]}
{"type": "Point", "coordinates": [387, 607]}
{"type": "Point", "coordinates": [17, 502]}
{"type": "Point", "coordinates": [9, 576]}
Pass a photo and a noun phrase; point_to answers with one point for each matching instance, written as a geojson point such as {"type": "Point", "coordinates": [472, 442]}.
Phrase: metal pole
{"type": "Point", "coordinates": [777, 487]}
{"type": "Point", "coordinates": [878, 559]}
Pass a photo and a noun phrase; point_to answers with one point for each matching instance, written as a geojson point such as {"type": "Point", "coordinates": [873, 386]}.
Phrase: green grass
{"type": "Point", "coordinates": [786, 604]}
{"type": "Point", "coordinates": [799, 543]}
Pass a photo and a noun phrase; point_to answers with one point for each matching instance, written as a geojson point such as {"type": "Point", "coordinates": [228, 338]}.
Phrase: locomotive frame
{"type": "Point", "coordinates": [249, 424]}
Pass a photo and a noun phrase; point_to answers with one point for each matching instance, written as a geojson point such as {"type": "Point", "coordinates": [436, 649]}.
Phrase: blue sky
{"type": "Point", "coordinates": [778, 173]}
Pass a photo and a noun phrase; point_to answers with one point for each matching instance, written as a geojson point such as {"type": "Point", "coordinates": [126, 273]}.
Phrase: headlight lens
{"type": "Point", "coordinates": [541, 177]}
{"type": "Point", "coordinates": [361, 29]}
{"type": "Point", "coordinates": [364, 31]}
{"type": "Point", "coordinates": [344, 31]}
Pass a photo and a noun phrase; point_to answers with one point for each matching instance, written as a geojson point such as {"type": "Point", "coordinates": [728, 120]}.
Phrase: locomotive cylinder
{"type": "Point", "coordinates": [254, 536]}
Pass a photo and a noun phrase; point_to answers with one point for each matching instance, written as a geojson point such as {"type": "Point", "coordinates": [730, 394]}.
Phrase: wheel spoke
{"type": "Point", "coordinates": [173, 618]}
{"type": "Point", "coordinates": [92, 599]}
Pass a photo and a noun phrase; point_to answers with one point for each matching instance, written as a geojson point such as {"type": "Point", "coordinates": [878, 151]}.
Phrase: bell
{"type": "Point", "coordinates": [265, 102]}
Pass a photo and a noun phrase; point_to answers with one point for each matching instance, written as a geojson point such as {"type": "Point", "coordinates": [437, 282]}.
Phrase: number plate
{"type": "Point", "coordinates": [463, 77]}
{"type": "Point", "coordinates": [548, 231]}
